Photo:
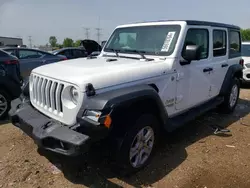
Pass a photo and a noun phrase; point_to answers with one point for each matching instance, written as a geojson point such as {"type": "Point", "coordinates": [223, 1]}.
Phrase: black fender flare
{"type": "Point", "coordinates": [13, 89]}
{"type": "Point", "coordinates": [124, 97]}
{"type": "Point", "coordinates": [233, 71]}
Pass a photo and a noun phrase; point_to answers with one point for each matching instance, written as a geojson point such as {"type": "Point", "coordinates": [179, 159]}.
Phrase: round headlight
{"type": "Point", "coordinates": [74, 95]}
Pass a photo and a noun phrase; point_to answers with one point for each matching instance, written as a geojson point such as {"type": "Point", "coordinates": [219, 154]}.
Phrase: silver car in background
{"type": "Point", "coordinates": [32, 58]}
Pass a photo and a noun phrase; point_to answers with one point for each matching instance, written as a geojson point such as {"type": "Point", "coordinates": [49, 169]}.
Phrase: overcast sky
{"type": "Point", "coordinates": [66, 18]}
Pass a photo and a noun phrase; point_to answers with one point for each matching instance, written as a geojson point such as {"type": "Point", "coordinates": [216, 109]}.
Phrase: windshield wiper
{"type": "Point", "coordinates": [114, 50]}
{"type": "Point", "coordinates": [141, 53]}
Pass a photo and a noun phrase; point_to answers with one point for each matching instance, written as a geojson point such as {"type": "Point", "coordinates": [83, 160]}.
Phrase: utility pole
{"type": "Point", "coordinates": [98, 34]}
{"type": "Point", "coordinates": [86, 32]}
{"type": "Point", "coordinates": [98, 29]}
{"type": "Point", "coordinates": [30, 41]}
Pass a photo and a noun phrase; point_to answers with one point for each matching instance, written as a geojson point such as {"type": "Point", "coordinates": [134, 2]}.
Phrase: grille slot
{"type": "Point", "coordinates": [47, 94]}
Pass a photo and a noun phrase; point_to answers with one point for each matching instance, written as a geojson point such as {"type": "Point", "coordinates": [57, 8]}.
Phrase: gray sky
{"type": "Point", "coordinates": [66, 18]}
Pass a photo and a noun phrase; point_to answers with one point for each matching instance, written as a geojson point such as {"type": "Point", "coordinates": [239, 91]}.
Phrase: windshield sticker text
{"type": "Point", "coordinates": [167, 42]}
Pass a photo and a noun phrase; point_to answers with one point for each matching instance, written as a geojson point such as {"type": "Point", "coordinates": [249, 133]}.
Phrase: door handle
{"type": "Point", "coordinates": [44, 61]}
{"type": "Point", "coordinates": [207, 69]}
{"type": "Point", "coordinates": [224, 65]}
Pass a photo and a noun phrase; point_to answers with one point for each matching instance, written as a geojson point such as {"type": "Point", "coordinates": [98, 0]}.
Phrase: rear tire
{"type": "Point", "coordinates": [139, 144]}
{"type": "Point", "coordinates": [4, 104]}
{"type": "Point", "coordinates": [231, 97]}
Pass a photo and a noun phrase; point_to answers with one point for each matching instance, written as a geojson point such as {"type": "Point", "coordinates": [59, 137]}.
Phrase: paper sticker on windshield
{"type": "Point", "coordinates": [167, 42]}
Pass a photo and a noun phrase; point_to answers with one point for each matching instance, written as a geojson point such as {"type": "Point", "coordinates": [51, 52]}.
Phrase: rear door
{"type": "Point", "coordinates": [219, 58]}
{"type": "Point", "coordinates": [29, 59]}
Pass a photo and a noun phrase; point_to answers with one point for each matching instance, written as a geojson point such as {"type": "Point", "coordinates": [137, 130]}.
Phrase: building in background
{"type": "Point", "coordinates": [10, 41]}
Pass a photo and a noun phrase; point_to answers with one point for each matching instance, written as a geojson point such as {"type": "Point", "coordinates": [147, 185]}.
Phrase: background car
{"type": "Point", "coordinates": [32, 58]}
{"type": "Point", "coordinates": [103, 43]}
{"type": "Point", "coordinates": [10, 81]}
{"type": "Point", "coordinates": [71, 52]}
{"type": "Point", "coordinates": [246, 57]}
{"type": "Point", "coordinates": [91, 46]}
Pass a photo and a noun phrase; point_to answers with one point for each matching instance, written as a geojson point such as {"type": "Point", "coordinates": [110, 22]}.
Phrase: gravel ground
{"type": "Point", "coordinates": [190, 157]}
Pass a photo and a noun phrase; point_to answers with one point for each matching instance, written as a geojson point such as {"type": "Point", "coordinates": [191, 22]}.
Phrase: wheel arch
{"type": "Point", "coordinates": [234, 71]}
{"type": "Point", "coordinates": [126, 104]}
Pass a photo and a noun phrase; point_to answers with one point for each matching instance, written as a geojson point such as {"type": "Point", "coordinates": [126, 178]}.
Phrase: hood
{"type": "Point", "coordinates": [91, 46]}
{"type": "Point", "coordinates": [102, 73]}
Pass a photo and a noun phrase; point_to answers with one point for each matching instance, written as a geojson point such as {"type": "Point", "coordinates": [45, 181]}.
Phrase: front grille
{"type": "Point", "coordinates": [248, 75]}
{"type": "Point", "coordinates": [47, 93]}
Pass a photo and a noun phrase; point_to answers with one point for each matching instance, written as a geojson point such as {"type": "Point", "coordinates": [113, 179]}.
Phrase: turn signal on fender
{"type": "Point", "coordinates": [107, 121]}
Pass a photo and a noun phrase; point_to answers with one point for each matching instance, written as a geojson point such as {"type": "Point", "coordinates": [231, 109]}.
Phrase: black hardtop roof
{"type": "Point", "coordinates": [198, 22]}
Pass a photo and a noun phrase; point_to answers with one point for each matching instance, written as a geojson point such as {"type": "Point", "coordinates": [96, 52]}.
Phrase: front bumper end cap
{"type": "Point", "coordinates": [45, 132]}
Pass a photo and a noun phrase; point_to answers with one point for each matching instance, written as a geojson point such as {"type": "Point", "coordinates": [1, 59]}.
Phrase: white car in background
{"type": "Point", "coordinates": [246, 57]}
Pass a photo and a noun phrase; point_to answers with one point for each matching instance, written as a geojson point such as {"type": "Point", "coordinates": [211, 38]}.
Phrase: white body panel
{"type": "Point", "coordinates": [190, 90]}
{"type": "Point", "coordinates": [180, 87]}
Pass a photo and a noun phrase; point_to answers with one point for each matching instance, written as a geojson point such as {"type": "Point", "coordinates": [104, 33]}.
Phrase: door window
{"type": "Point", "coordinates": [65, 53]}
{"type": "Point", "coordinates": [11, 51]}
{"type": "Point", "coordinates": [200, 38]}
{"type": "Point", "coordinates": [28, 54]}
{"type": "Point", "coordinates": [219, 43]}
{"type": "Point", "coordinates": [235, 43]}
{"type": "Point", "coordinates": [79, 53]}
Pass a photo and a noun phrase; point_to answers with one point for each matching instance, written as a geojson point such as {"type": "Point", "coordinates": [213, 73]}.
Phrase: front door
{"type": "Point", "coordinates": [194, 79]}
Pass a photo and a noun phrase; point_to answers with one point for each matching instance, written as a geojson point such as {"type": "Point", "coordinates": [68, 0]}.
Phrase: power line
{"type": "Point", "coordinates": [86, 32]}
{"type": "Point", "coordinates": [30, 41]}
{"type": "Point", "coordinates": [98, 34]}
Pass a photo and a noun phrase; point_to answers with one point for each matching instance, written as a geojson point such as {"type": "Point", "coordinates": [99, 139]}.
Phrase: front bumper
{"type": "Point", "coordinates": [49, 134]}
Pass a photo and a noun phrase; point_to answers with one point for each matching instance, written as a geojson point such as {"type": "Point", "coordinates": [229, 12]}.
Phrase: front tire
{"type": "Point", "coordinates": [4, 104]}
{"type": "Point", "coordinates": [139, 144]}
{"type": "Point", "coordinates": [231, 98]}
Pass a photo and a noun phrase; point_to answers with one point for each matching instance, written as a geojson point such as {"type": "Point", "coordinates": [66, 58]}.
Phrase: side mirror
{"type": "Point", "coordinates": [190, 54]}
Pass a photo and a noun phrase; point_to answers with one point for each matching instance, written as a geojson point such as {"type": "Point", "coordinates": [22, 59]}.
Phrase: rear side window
{"type": "Point", "coordinates": [235, 44]}
{"type": "Point", "coordinates": [66, 53]}
{"type": "Point", "coordinates": [219, 43]}
{"type": "Point", "coordinates": [28, 54]}
{"type": "Point", "coordinates": [11, 51]}
{"type": "Point", "coordinates": [79, 53]}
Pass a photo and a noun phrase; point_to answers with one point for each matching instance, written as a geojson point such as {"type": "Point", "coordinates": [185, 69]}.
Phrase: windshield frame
{"type": "Point", "coordinates": [177, 28]}
{"type": "Point", "coordinates": [244, 50]}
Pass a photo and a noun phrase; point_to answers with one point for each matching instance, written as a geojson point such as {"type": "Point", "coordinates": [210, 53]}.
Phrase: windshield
{"type": "Point", "coordinates": [245, 50]}
{"type": "Point", "coordinates": [150, 40]}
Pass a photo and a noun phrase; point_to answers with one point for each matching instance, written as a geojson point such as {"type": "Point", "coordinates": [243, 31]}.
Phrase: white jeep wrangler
{"type": "Point", "coordinates": [149, 77]}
